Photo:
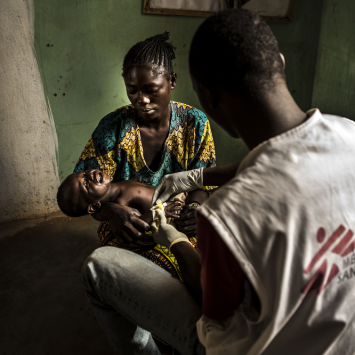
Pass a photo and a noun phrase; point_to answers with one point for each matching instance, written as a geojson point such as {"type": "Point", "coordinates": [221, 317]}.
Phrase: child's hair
{"type": "Point", "coordinates": [68, 203]}
{"type": "Point", "coordinates": [152, 53]}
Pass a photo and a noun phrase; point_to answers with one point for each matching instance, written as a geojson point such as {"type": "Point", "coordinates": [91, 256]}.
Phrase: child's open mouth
{"type": "Point", "coordinates": [98, 177]}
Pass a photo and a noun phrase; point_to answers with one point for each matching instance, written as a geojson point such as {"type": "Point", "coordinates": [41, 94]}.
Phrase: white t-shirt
{"type": "Point", "coordinates": [288, 217]}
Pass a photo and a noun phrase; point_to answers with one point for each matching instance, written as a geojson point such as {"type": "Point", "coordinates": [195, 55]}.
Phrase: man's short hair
{"type": "Point", "coordinates": [236, 49]}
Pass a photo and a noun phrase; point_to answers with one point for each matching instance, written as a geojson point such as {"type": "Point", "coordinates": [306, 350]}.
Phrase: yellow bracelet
{"type": "Point", "coordinates": [177, 241]}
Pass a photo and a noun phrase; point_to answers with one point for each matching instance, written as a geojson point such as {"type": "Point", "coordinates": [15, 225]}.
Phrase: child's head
{"type": "Point", "coordinates": [83, 192]}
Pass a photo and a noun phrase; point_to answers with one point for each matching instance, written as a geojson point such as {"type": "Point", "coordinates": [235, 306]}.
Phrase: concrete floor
{"type": "Point", "coordinates": [43, 306]}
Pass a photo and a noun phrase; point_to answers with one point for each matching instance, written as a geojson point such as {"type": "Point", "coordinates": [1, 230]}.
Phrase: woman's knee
{"type": "Point", "coordinates": [110, 264]}
{"type": "Point", "coordinates": [95, 265]}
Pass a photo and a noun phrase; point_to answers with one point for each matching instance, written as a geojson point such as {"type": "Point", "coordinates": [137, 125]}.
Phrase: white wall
{"type": "Point", "coordinates": [28, 140]}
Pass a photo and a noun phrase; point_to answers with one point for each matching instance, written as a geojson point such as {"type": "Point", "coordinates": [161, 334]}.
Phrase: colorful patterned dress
{"type": "Point", "coordinates": [115, 148]}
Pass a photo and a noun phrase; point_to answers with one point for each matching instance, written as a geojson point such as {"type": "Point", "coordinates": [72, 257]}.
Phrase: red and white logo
{"type": "Point", "coordinates": [322, 278]}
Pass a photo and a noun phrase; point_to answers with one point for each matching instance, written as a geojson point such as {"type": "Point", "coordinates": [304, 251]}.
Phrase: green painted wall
{"type": "Point", "coordinates": [299, 42]}
{"type": "Point", "coordinates": [334, 84]}
{"type": "Point", "coordinates": [80, 47]}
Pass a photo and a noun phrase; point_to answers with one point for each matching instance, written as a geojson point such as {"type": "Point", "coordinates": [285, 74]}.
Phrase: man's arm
{"type": "Point", "coordinates": [214, 279]}
{"type": "Point", "coordinates": [219, 175]}
{"type": "Point", "coordinates": [189, 262]}
{"type": "Point", "coordinates": [186, 255]}
{"type": "Point", "coordinates": [222, 278]}
{"type": "Point", "coordinates": [217, 269]}
{"type": "Point", "coordinates": [198, 196]}
{"type": "Point", "coordinates": [186, 181]}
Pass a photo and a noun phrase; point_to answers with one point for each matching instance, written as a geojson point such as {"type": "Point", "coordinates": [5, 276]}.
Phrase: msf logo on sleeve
{"type": "Point", "coordinates": [339, 243]}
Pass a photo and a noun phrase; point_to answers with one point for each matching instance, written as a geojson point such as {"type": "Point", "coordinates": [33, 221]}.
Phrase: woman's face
{"type": "Point", "coordinates": [149, 92]}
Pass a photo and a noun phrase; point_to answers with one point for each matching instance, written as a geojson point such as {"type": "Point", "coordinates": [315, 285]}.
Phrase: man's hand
{"type": "Point", "coordinates": [187, 256]}
{"type": "Point", "coordinates": [187, 222]}
{"type": "Point", "coordinates": [163, 233]}
{"type": "Point", "coordinates": [173, 184]}
{"type": "Point", "coordinates": [125, 222]}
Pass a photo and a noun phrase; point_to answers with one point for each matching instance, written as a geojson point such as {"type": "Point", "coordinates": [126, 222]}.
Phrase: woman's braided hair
{"type": "Point", "coordinates": [153, 53]}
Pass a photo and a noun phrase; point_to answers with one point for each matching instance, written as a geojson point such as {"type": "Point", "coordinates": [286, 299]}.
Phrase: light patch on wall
{"type": "Point", "coordinates": [28, 140]}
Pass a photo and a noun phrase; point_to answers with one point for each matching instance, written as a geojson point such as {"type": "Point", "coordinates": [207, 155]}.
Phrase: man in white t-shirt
{"type": "Point", "coordinates": [277, 242]}
{"type": "Point", "coordinates": [277, 262]}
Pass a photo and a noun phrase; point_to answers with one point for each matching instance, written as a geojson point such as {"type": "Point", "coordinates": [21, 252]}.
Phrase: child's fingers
{"type": "Point", "coordinates": [171, 215]}
{"type": "Point", "coordinates": [173, 204]}
{"type": "Point", "coordinates": [173, 208]}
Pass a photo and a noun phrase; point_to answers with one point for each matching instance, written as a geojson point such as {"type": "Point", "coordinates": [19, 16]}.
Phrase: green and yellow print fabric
{"type": "Point", "coordinates": [116, 148]}
{"type": "Point", "coordinates": [156, 253]}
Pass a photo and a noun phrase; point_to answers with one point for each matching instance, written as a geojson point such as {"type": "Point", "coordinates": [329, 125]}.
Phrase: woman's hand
{"type": "Point", "coordinates": [125, 222]}
{"type": "Point", "coordinates": [187, 222]}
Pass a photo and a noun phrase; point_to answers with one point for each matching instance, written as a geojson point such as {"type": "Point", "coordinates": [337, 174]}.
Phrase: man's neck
{"type": "Point", "coordinates": [268, 115]}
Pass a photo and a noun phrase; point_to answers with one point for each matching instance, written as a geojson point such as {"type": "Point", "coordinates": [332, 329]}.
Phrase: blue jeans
{"type": "Point", "coordinates": [132, 298]}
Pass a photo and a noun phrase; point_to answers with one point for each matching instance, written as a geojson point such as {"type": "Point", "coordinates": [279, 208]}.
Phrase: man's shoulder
{"type": "Point", "coordinates": [340, 124]}
{"type": "Point", "coordinates": [259, 190]}
{"type": "Point", "coordinates": [290, 169]}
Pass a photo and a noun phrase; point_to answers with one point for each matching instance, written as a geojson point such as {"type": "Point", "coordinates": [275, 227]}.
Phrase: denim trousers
{"type": "Point", "coordinates": [132, 298]}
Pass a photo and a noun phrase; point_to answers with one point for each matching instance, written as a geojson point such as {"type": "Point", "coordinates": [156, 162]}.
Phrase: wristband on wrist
{"type": "Point", "coordinates": [194, 204]}
{"type": "Point", "coordinates": [177, 241]}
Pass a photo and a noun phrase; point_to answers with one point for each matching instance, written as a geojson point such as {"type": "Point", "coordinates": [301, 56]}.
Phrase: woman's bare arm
{"type": "Point", "coordinates": [125, 222]}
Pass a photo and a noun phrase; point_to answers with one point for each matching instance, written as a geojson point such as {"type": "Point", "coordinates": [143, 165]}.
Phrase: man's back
{"type": "Point", "coordinates": [288, 217]}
